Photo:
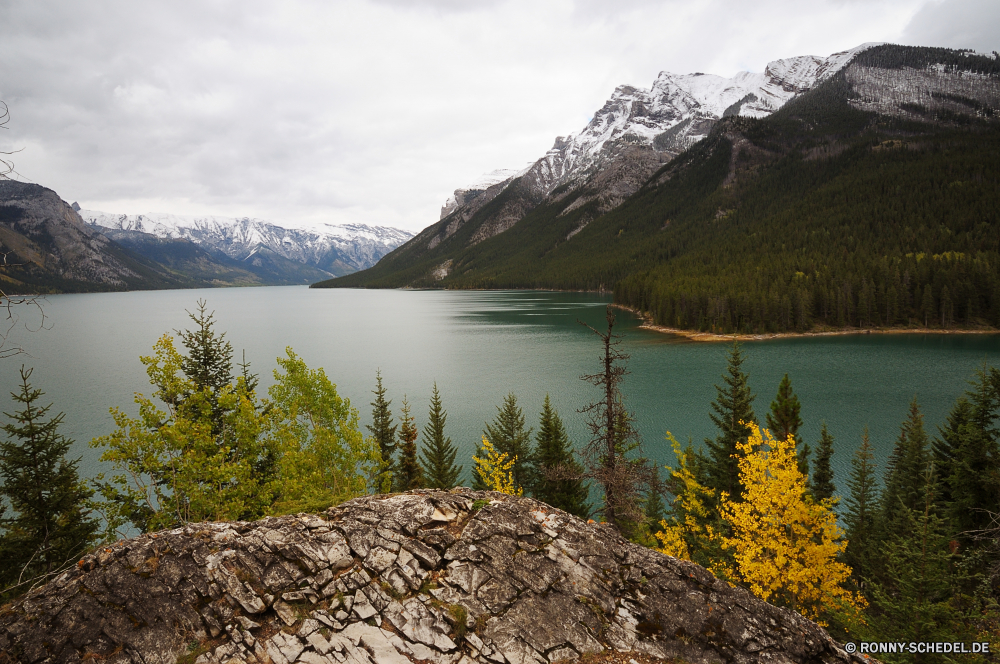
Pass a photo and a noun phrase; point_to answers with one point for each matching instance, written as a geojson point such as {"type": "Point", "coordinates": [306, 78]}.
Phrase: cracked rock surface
{"type": "Point", "coordinates": [457, 577]}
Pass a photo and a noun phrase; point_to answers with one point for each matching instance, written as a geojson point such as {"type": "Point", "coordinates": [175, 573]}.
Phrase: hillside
{"type": "Point", "coordinates": [272, 251]}
{"type": "Point", "coordinates": [47, 248]}
{"type": "Point", "coordinates": [446, 577]}
{"type": "Point", "coordinates": [871, 199]}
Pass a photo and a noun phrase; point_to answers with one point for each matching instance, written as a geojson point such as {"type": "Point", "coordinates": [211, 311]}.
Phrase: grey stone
{"type": "Point", "coordinates": [285, 612]}
{"type": "Point", "coordinates": [542, 585]}
{"type": "Point", "coordinates": [361, 607]}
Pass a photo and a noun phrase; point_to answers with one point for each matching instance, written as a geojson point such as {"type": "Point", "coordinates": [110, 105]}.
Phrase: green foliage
{"type": "Point", "coordinates": [905, 472]}
{"type": "Point", "coordinates": [822, 486]}
{"type": "Point", "coordinates": [784, 420]}
{"type": "Point", "coordinates": [324, 459]}
{"type": "Point", "coordinates": [733, 414]}
{"type": "Point", "coordinates": [861, 517]}
{"type": "Point", "coordinates": [384, 432]}
{"type": "Point", "coordinates": [218, 452]}
{"type": "Point", "coordinates": [184, 464]}
{"type": "Point", "coordinates": [825, 217]}
{"type": "Point", "coordinates": [560, 482]}
{"type": "Point", "coordinates": [913, 599]}
{"type": "Point", "coordinates": [209, 361]}
{"type": "Point", "coordinates": [50, 524]}
{"type": "Point", "coordinates": [968, 456]}
{"type": "Point", "coordinates": [437, 456]}
{"type": "Point", "coordinates": [408, 474]}
{"type": "Point", "coordinates": [508, 436]}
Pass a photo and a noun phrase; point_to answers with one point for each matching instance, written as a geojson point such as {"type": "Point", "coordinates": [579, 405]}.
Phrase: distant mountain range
{"type": "Point", "coordinates": [806, 196]}
{"type": "Point", "coordinates": [54, 247]}
{"type": "Point", "coordinates": [335, 249]}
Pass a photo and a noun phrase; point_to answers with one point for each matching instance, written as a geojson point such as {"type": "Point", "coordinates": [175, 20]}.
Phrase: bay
{"type": "Point", "coordinates": [478, 346]}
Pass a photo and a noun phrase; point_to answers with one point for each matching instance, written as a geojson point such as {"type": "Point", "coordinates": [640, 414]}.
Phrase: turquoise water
{"type": "Point", "coordinates": [478, 346]}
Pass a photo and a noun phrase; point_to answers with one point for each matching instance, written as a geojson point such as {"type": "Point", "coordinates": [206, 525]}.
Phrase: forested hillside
{"type": "Point", "coordinates": [824, 214]}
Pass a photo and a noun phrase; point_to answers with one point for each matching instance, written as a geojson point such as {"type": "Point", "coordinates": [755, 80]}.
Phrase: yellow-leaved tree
{"type": "Point", "coordinates": [496, 470]}
{"type": "Point", "coordinates": [784, 544]}
{"type": "Point", "coordinates": [694, 530]}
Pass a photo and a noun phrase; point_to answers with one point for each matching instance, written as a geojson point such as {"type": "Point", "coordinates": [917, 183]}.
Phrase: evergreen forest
{"type": "Point", "coordinates": [908, 552]}
{"type": "Point", "coordinates": [820, 216]}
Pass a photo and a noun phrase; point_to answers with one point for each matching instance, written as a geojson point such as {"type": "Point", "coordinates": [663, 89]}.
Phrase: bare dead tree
{"type": "Point", "coordinates": [6, 165]}
{"type": "Point", "coordinates": [614, 457]}
{"type": "Point", "coordinates": [10, 304]}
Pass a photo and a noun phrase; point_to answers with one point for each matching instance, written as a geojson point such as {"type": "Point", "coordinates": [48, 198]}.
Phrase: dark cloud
{"type": "Point", "coordinates": [354, 111]}
{"type": "Point", "coordinates": [956, 24]}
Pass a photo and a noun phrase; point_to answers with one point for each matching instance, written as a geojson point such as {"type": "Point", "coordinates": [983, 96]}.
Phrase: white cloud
{"type": "Point", "coordinates": [357, 111]}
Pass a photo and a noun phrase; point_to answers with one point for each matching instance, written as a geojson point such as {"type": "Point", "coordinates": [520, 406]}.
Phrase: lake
{"type": "Point", "coordinates": [478, 346]}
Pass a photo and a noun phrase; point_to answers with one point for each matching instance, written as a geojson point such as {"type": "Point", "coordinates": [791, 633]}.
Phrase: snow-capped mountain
{"type": "Point", "coordinates": [480, 185]}
{"type": "Point", "coordinates": [329, 247]}
{"type": "Point", "coordinates": [676, 112]}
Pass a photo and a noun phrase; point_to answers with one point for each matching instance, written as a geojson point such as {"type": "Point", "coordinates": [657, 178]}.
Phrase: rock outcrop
{"type": "Point", "coordinates": [431, 576]}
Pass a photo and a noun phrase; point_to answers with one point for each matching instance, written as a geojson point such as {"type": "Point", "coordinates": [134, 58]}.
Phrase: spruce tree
{"type": "Point", "coordinates": [655, 509]}
{"type": "Point", "coordinates": [50, 525]}
{"type": "Point", "coordinates": [382, 428]}
{"type": "Point", "coordinates": [860, 519]}
{"type": "Point", "coordinates": [904, 478]}
{"type": "Point", "coordinates": [559, 474]}
{"type": "Point", "coordinates": [437, 458]}
{"type": "Point", "coordinates": [209, 362]}
{"type": "Point", "coordinates": [912, 600]}
{"type": "Point", "coordinates": [968, 456]}
{"type": "Point", "coordinates": [409, 475]}
{"type": "Point", "coordinates": [783, 420]}
{"type": "Point", "coordinates": [508, 436]}
{"type": "Point", "coordinates": [822, 486]}
{"type": "Point", "coordinates": [733, 413]}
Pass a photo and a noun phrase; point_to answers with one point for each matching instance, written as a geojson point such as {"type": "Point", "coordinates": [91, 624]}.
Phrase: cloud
{"type": "Point", "coordinates": [956, 24]}
{"type": "Point", "coordinates": [354, 111]}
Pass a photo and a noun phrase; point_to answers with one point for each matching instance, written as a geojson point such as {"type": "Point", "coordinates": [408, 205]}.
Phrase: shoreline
{"type": "Point", "coordinates": [695, 335]}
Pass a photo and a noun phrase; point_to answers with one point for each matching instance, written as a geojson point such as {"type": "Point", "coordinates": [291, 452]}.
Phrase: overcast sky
{"type": "Point", "coordinates": [372, 112]}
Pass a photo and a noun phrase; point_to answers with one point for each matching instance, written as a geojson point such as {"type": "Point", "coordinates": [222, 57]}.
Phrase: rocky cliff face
{"type": "Point", "coordinates": [444, 577]}
{"type": "Point", "coordinates": [48, 243]}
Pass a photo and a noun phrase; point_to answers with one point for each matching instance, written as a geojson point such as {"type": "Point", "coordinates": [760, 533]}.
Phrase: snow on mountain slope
{"type": "Point", "coordinates": [482, 183]}
{"type": "Point", "coordinates": [676, 112]}
{"type": "Point", "coordinates": [328, 245]}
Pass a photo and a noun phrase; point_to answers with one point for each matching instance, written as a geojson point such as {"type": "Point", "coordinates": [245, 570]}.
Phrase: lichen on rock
{"type": "Point", "coordinates": [390, 579]}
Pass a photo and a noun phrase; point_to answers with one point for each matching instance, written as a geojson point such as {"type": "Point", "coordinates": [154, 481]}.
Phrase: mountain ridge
{"type": "Point", "coordinates": [335, 249]}
{"type": "Point", "coordinates": [674, 239]}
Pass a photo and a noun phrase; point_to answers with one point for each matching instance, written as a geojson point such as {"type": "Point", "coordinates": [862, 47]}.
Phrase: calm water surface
{"type": "Point", "coordinates": [478, 346]}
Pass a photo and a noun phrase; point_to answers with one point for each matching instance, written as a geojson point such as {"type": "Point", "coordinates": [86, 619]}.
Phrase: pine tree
{"type": "Point", "coordinates": [409, 475]}
{"type": "Point", "coordinates": [822, 486]}
{"type": "Point", "coordinates": [382, 428]}
{"type": "Point", "coordinates": [437, 458]}
{"type": "Point", "coordinates": [912, 601]}
{"type": "Point", "coordinates": [50, 525]}
{"type": "Point", "coordinates": [559, 474]}
{"type": "Point", "coordinates": [784, 421]}
{"type": "Point", "coordinates": [508, 436]}
{"type": "Point", "coordinates": [968, 455]}
{"type": "Point", "coordinates": [209, 362]}
{"type": "Point", "coordinates": [733, 404]}
{"type": "Point", "coordinates": [861, 516]}
{"type": "Point", "coordinates": [904, 478]}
